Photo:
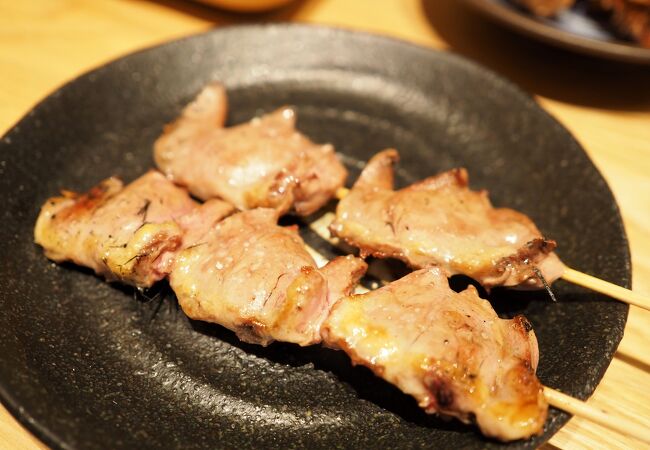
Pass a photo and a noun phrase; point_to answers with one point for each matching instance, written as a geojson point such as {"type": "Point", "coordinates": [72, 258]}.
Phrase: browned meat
{"type": "Point", "coordinates": [262, 163]}
{"type": "Point", "coordinates": [546, 8]}
{"type": "Point", "coordinates": [448, 350]}
{"type": "Point", "coordinates": [256, 278]}
{"type": "Point", "coordinates": [631, 17]}
{"type": "Point", "coordinates": [441, 222]}
{"type": "Point", "coordinates": [128, 234]}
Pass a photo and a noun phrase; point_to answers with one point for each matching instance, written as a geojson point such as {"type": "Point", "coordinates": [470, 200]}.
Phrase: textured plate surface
{"type": "Point", "coordinates": [577, 29]}
{"type": "Point", "coordinates": [84, 365]}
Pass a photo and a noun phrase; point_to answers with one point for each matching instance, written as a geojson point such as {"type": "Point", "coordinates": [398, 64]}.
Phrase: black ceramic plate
{"type": "Point", "coordinates": [84, 364]}
{"type": "Point", "coordinates": [577, 29]}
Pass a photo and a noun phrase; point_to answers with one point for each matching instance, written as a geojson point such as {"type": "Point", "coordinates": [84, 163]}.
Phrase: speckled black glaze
{"type": "Point", "coordinates": [83, 365]}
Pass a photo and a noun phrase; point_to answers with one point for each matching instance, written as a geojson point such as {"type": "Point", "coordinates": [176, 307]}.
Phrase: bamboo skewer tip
{"type": "Point", "coordinates": [583, 409]}
{"type": "Point", "coordinates": [554, 397]}
{"type": "Point", "coordinates": [605, 287]}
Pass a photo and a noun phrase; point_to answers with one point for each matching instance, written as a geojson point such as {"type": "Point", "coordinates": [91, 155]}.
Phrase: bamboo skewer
{"type": "Point", "coordinates": [607, 288]}
{"type": "Point", "coordinates": [554, 397]}
{"type": "Point", "coordinates": [570, 275]}
{"type": "Point", "coordinates": [583, 409]}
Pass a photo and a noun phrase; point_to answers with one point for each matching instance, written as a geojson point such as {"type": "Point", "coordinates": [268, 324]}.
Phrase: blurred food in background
{"type": "Point", "coordinates": [545, 8]}
{"type": "Point", "coordinates": [631, 18]}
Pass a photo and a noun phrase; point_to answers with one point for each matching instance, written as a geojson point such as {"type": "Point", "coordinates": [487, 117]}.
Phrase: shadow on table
{"type": "Point", "coordinates": [540, 68]}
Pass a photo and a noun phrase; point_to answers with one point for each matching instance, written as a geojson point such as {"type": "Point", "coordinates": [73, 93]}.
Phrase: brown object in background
{"type": "Point", "coordinates": [631, 17]}
{"type": "Point", "coordinates": [246, 6]}
{"type": "Point", "coordinates": [546, 8]}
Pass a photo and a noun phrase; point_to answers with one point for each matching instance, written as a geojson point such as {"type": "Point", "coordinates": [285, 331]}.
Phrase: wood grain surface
{"type": "Point", "coordinates": [44, 43]}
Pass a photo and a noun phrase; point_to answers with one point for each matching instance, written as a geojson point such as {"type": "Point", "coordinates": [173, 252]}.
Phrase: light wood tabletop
{"type": "Point", "coordinates": [44, 43]}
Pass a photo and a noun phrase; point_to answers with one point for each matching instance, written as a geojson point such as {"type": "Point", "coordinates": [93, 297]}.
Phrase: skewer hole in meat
{"type": "Point", "coordinates": [439, 221]}
{"type": "Point", "coordinates": [263, 163]}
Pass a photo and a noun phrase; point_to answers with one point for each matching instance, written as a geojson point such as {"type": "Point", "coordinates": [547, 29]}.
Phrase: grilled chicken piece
{"type": "Point", "coordinates": [262, 163]}
{"type": "Point", "coordinates": [128, 234]}
{"type": "Point", "coordinates": [256, 278]}
{"type": "Point", "coordinates": [441, 222]}
{"type": "Point", "coordinates": [448, 350]}
{"type": "Point", "coordinates": [546, 8]}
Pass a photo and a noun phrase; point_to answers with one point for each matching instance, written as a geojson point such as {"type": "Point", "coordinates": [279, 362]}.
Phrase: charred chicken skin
{"type": "Point", "coordinates": [448, 350]}
{"type": "Point", "coordinates": [124, 233]}
{"type": "Point", "coordinates": [255, 278]}
{"type": "Point", "coordinates": [441, 222]}
{"type": "Point", "coordinates": [263, 163]}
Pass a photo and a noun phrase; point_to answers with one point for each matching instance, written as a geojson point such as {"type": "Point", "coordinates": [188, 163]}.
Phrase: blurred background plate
{"type": "Point", "coordinates": [574, 29]}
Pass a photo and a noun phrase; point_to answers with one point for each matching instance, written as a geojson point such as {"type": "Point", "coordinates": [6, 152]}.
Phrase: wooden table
{"type": "Point", "coordinates": [44, 43]}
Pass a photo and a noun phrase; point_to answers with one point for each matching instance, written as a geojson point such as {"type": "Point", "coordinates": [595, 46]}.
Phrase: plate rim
{"type": "Point", "coordinates": [48, 436]}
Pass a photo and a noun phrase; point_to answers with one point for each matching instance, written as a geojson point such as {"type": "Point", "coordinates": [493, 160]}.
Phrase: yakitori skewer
{"type": "Point", "coordinates": [282, 168]}
{"type": "Point", "coordinates": [296, 301]}
{"type": "Point", "coordinates": [193, 226]}
{"type": "Point", "coordinates": [554, 397]}
{"type": "Point", "coordinates": [568, 274]}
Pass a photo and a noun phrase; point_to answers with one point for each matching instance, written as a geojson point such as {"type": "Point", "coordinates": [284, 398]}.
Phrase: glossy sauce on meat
{"type": "Point", "coordinates": [441, 222]}
{"type": "Point", "coordinates": [448, 350]}
{"type": "Point", "coordinates": [263, 163]}
{"type": "Point", "coordinates": [256, 278]}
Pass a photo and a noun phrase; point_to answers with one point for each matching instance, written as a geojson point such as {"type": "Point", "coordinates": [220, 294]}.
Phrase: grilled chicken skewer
{"type": "Point", "coordinates": [450, 351]}
{"type": "Point", "coordinates": [441, 222]}
{"type": "Point", "coordinates": [263, 163]}
{"type": "Point", "coordinates": [129, 234]}
{"type": "Point", "coordinates": [74, 223]}
{"type": "Point", "coordinates": [553, 397]}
